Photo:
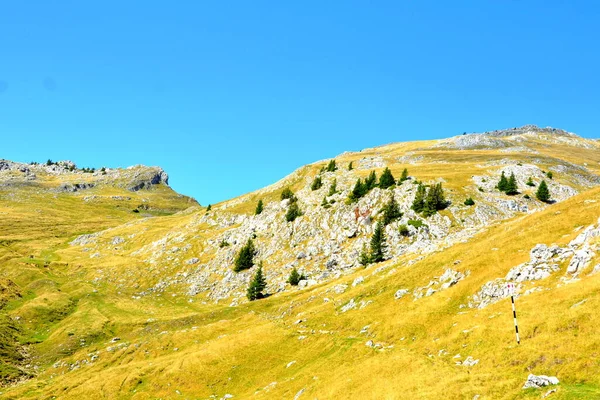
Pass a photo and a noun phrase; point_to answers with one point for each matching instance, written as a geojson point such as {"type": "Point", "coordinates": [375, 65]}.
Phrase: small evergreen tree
{"type": "Point", "coordinates": [530, 182]}
{"type": "Point", "coordinates": [391, 211]}
{"type": "Point", "coordinates": [259, 207]}
{"type": "Point", "coordinates": [419, 202]}
{"type": "Point", "coordinates": [332, 188]}
{"type": "Point", "coordinates": [378, 245]}
{"type": "Point", "coordinates": [386, 179]}
{"type": "Point", "coordinates": [295, 277]}
{"type": "Point", "coordinates": [209, 208]}
{"type": "Point", "coordinates": [317, 183]}
{"type": "Point", "coordinates": [257, 285]}
{"type": "Point", "coordinates": [359, 190]}
{"type": "Point", "coordinates": [435, 200]}
{"type": "Point", "coordinates": [331, 167]}
{"type": "Point", "coordinates": [245, 258]}
{"type": "Point", "coordinates": [325, 203]}
{"type": "Point", "coordinates": [364, 258]}
{"type": "Point", "coordinates": [469, 201]}
{"type": "Point", "coordinates": [502, 183]}
{"type": "Point", "coordinates": [350, 167]}
{"type": "Point", "coordinates": [287, 194]}
{"type": "Point", "coordinates": [371, 181]}
{"type": "Point", "coordinates": [293, 212]}
{"type": "Point", "coordinates": [511, 186]}
{"type": "Point", "coordinates": [549, 174]}
{"type": "Point", "coordinates": [543, 193]}
{"type": "Point", "coordinates": [404, 176]}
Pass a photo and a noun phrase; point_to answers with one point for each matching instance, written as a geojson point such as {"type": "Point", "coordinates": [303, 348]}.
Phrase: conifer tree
{"type": "Point", "coordinates": [317, 183]}
{"type": "Point", "coordinates": [549, 174]}
{"type": "Point", "coordinates": [332, 188]}
{"type": "Point", "coordinates": [293, 212]}
{"type": "Point", "coordinates": [209, 208]}
{"type": "Point", "coordinates": [359, 190]}
{"type": "Point", "coordinates": [386, 179]}
{"type": "Point", "coordinates": [543, 194]}
{"type": "Point", "coordinates": [419, 202]}
{"type": "Point", "coordinates": [350, 167]}
{"type": "Point", "coordinates": [245, 258]}
{"type": "Point", "coordinates": [257, 285]}
{"type": "Point", "coordinates": [404, 176]}
{"type": "Point", "coordinates": [469, 201]}
{"type": "Point", "coordinates": [502, 183]}
{"type": "Point", "coordinates": [378, 245]}
{"type": "Point", "coordinates": [325, 203]}
{"type": "Point", "coordinates": [511, 186]}
{"type": "Point", "coordinates": [331, 167]}
{"type": "Point", "coordinates": [435, 200]}
{"type": "Point", "coordinates": [371, 181]}
{"type": "Point", "coordinates": [364, 258]}
{"type": "Point", "coordinates": [391, 211]}
{"type": "Point", "coordinates": [259, 207]}
{"type": "Point", "coordinates": [295, 277]}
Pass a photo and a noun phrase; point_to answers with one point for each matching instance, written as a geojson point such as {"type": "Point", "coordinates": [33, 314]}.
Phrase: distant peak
{"type": "Point", "coordinates": [528, 129]}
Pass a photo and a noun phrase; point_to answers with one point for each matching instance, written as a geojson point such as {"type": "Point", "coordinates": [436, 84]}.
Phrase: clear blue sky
{"type": "Point", "coordinates": [229, 96]}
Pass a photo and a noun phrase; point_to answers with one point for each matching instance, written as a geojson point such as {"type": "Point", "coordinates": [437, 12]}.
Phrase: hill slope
{"type": "Point", "coordinates": [104, 302]}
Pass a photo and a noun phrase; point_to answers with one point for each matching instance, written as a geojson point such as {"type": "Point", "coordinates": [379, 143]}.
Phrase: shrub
{"type": "Point", "coordinates": [317, 183]}
{"type": "Point", "coordinates": [417, 223]}
{"type": "Point", "coordinates": [481, 189]}
{"type": "Point", "coordinates": [386, 179]}
{"type": "Point", "coordinates": [257, 285]}
{"type": "Point", "coordinates": [259, 207]}
{"type": "Point", "coordinates": [549, 174]}
{"type": "Point", "coordinates": [543, 194]}
{"type": "Point", "coordinates": [325, 203]}
{"type": "Point", "coordinates": [331, 167]}
{"type": "Point", "coordinates": [403, 230]}
{"type": "Point", "coordinates": [350, 167]}
{"type": "Point", "coordinates": [224, 243]}
{"type": "Point", "coordinates": [526, 197]}
{"type": "Point", "coordinates": [209, 208]}
{"type": "Point", "coordinates": [293, 212]}
{"type": "Point", "coordinates": [287, 194]}
{"type": "Point", "coordinates": [530, 182]}
{"type": "Point", "coordinates": [245, 258]}
{"type": "Point", "coordinates": [332, 188]}
{"type": "Point", "coordinates": [469, 202]}
{"type": "Point", "coordinates": [295, 277]}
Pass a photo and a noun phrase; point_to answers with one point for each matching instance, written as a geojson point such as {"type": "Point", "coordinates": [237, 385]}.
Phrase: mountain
{"type": "Point", "coordinates": [115, 286]}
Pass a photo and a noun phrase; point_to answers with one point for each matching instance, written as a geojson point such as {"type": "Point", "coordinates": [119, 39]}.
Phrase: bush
{"type": "Point", "coordinates": [332, 188]}
{"type": "Point", "coordinates": [526, 197]}
{"type": "Point", "coordinates": [317, 183]}
{"type": "Point", "coordinates": [403, 230]}
{"type": "Point", "coordinates": [530, 182]}
{"type": "Point", "coordinates": [257, 285]}
{"type": "Point", "coordinates": [287, 194]}
{"type": "Point", "coordinates": [209, 208]}
{"type": "Point", "coordinates": [295, 277]}
{"type": "Point", "coordinates": [259, 207]}
{"type": "Point", "coordinates": [549, 174]}
{"type": "Point", "coordinates": [245, 258]}
{"type": "Point", "coordinates": [386, 179]}
{"type": "Point", "coordinates": [350, 167]}
{"type": "Point", "coordinates": [417, 223]}
{"type": "Point", "coordinates": [325, 203]}
{"type": "Point", "coordinates": [469, 202]}
{"type": "Point", "coordinates": [331, 167]}
{"type": "Point", "coordinates": [293, 212]}
{"type": "Point", "coordinates": [224, 243]}
{"type": "Point", "coordinates": [543, 194]}
{"type": "Point", "coordinates": [480, 189]}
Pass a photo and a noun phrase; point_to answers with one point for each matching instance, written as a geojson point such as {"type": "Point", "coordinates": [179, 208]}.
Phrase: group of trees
{"type": "Point", "coordinates": [293, 211]}
{"type": "Point", "coordinates": [391, 211]}
{"type": "Point", "coordinates": [428, 202]}
{"type": "Point", "coordinates": [377, 248]}
{"type": "Point", "coordinates": [510, 187]}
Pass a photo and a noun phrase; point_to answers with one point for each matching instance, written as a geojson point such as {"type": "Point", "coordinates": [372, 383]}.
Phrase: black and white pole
{"type": "Point", "coordinates": [511, 290]}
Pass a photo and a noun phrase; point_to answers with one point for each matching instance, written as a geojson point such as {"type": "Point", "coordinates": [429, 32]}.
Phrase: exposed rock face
{"type": "Point", "coordinates": [538, 381]}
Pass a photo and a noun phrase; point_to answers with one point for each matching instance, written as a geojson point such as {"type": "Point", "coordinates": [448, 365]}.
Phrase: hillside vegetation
{"type": "Point", "coordinates": [114, 286]}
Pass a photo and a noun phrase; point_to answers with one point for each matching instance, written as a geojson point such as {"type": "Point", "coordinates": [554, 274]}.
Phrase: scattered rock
{"type": "Point", "coordinates": [538, 381]}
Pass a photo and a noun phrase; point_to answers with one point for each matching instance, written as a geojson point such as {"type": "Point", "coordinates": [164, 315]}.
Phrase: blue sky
{"type": "Point", "coordinates": [230, 96]}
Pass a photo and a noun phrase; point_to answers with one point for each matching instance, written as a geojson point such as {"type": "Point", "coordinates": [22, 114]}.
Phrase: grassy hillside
{"type": "Point", "coordinates": [87, 324]}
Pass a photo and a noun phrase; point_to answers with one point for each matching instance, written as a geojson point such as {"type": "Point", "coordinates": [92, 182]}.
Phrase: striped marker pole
{"type": "Point", "coordinates": [511, 290]}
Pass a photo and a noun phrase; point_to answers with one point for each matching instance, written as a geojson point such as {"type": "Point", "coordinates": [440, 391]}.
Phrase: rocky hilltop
{"type": "Point", "coordinates": [112, 282]}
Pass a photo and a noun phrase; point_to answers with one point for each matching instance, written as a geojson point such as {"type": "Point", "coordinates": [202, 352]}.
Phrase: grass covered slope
{"type": "Point", "coordinates": [99, 299]}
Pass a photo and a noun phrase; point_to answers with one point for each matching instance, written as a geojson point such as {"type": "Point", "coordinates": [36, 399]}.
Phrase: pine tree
{"type": "Point", "coordinates": [502, 183]}
{"type": "Point", "coordinates": [209, 208]}
{"type": "Point", "coordinates": [332, 188]}
{"type": "Point", "coordinates": [435, 200]}
{"type": "Point", "coordinates": [404, 176]}
{"type": "Point", "coordinates": [287, 194]}
{"type": "Point", "coordinates": [386, 179]}
{"type": "Point", "coordinates": [259, 207]}
{"type": "Point", "coordinates": [371, 181]}
{"type": "Point", "coordinates": [295, 277]}
{"type": "Point", "coordinates": [325, 203]}
{"type": "Point", "coordinates": [317, 183]}
{"type": "Point", "coordinates": [391, 211]}
{"type": "Point", "coordinates": [364, 258]}
{"type": "Point", "coordinates": [257, 285]}
{"type": "Point", "coordinates": [469, 201]}
{"type": "Point", "coordinates": [511, 186]}
{"type": "Point", "coordinates": [378, 245]}
{"type": "Point", "coordinates": [350, 167]}
{"type": "Point", "coordinates": [543, 194]}
{"type": "Point", "coordinates": [331, 167]}
{"type": "Point", "coordinates": [549, 174]}
{"type": "Point", "coordinates": [359, 190]}
{"type": "Point", "coordinates": [293, 212]}
{"type": "Point", "coordinates": [245, 258]}
{"type": "Point", "coordinates": [419, 202]}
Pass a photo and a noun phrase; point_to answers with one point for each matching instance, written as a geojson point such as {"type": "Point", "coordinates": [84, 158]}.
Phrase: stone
{"type": "Point", "coordinates": [358, 281]}
{"type": "Point", "coordinates": [400, 293]}
{"type": "Point", "coordinates": [538, 381]}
